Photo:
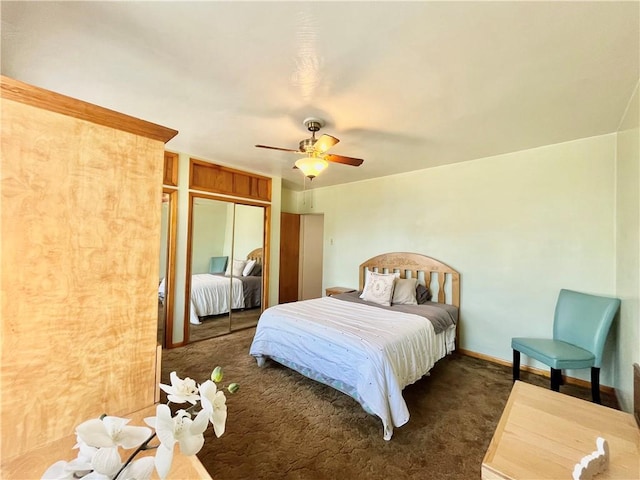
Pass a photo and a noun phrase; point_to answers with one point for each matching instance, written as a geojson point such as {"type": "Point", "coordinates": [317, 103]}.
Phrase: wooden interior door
{"type": "Point", "coordinates": [289, 257]}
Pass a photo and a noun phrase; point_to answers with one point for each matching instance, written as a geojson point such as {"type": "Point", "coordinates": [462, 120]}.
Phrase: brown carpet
{"type": "Point", "coordinates": [215, 325]}
{"type": "Point", "coordinates": [282, 425]}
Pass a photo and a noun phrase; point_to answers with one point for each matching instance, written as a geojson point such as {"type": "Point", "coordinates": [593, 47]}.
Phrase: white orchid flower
{"type": "Point", "coordinates": [214, 402]}
{"type": "Point", "coordinates": [181, 391]}
{"type": "Point", "coordinates": [58, 471]}
{"type": "Point", "coordinates": [81, 464]}
{"type": "Point", "coordinates": [95, 476]}
{"type": "Point", "coordinates": [107, 461]}
{"type": "Point", "coordinates": [180, 429]}
{"type": "Point", "coordinates": [111, 432]}
{"type": "Point", "coordinates": [141, 469]}
{"type": "Point", "coordinates": [85, 451]}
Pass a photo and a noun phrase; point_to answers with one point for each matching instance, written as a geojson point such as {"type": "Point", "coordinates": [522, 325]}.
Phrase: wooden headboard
{"type": "Point", "coordinates": [446, 288]}
{"type": "Point", "coordinates": [255, 255]}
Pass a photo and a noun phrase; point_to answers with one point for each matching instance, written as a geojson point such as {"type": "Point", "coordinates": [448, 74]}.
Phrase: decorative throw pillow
{"type": "Point", "coordinates": [367, 274]}
{"type": "Point", "coordinates": [248, 267]}
{"type": "Point", "coordinates": [404, 291]}
{"type": "Point", "coordinates": [379, 288]}
{"type": "Point", "coordinates": [423, 295]}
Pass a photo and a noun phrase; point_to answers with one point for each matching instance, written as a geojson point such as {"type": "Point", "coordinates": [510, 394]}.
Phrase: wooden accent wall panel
{"type": "Point", "coordinates": [79, 268]}
{"type": "Point", "coordinates": [170, 173]}
{"type": "Point", "coordinates": [227, 181]}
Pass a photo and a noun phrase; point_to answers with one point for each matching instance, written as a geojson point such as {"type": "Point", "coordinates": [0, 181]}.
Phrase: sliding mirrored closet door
{"type": "Point", "coordinates": [225, 281]}
{"type": "Point", "coordinates": [248, 239]}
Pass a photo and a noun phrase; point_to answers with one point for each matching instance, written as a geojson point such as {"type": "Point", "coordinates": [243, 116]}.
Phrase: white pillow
{"type": "Point", "coordinates": [236, 268]}
{"type": "Point", "coordinates": [367, 273]}
{"type": "Point", "coordinates": [379, 288]}
{"type": "Point", "coordinates": [248, 267]}
{"type": "Point", "coordinates": [404, 291]}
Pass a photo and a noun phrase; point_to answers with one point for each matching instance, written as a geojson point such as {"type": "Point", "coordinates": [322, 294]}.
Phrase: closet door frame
{"type": "Point", "coordinates": [265, 251]}
{"type": "Point", "coordinates": [170, 273]}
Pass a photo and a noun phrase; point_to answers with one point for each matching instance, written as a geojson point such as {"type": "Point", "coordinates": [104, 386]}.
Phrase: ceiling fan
{"type": "Point", "coordinates": [315, 151]}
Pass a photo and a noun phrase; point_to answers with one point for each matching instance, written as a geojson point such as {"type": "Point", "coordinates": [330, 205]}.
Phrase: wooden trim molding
{"type": "Point", "coordinates": [55, 102]}
{"type": "Point", "coordinates": [170, 172]}
{"type": "Point", "coordinates": [538, 371]}
{"type": "Point", "coordinates": [636, 392]}
{"type": "Point", "coordinates": [171, 267]}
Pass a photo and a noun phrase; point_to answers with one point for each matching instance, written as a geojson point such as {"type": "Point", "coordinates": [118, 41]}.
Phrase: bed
{"type": "Point", "coordinates": [219, 293]}
{"type": "Point", "coordinates": [365, 349]}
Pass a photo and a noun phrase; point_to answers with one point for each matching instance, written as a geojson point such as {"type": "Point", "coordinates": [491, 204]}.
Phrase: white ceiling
{"type": "Point", "coordinates": [406, 86]}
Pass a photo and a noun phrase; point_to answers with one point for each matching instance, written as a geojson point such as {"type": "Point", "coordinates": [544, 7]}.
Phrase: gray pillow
{"type": "Point", "coordinates": [404, 292]}
{"type": "Point", "coordinates": [423, 295]}
{"type": "Point", "coordinates": [257, 270]}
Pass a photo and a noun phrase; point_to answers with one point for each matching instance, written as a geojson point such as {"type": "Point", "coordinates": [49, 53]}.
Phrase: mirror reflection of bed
{"type": "Point", "coordinates": [209, 294]}
{"type": "Point", "coordinates": [226, 267]}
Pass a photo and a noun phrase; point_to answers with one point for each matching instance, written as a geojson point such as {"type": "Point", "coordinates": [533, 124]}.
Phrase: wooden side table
{"type": "Point", "coordinates": [542, 434]}
{"type": "Point", "coordinates": [336, 290]}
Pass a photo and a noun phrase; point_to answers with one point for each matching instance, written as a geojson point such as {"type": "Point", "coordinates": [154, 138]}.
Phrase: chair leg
{"type": "Point", "coordinates": [556, 379]}
{"type": "Point", "coordinates": [595, 384]}
{"type": "Point", "coordinates": [516, 365]}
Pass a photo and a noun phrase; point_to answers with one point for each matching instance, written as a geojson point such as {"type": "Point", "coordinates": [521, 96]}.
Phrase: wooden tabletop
{"type": "Point", "coordinates": [542, 435]}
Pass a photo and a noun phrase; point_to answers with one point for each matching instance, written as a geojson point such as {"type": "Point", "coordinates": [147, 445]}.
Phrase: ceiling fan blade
{"type": "Point", "coordinates": [279, 148]}
{"type": "Point", "coordinates": [324, 143]}
{"type": "Point", "coordinates": [354, 162]}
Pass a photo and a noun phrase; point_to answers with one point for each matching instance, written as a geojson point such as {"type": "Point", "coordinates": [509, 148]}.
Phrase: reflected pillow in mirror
{"type": "Point", "coordinates": [257, 270]}
{"type": "Point", "coordinates": [404, 292]}
{"type": "Point", "coordinates": [248, 267]}
{"type": "Point", "coordinates": [235, 268]}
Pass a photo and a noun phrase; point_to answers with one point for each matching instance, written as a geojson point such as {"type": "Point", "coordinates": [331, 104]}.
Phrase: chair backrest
{"type": "Point", "coordinates": [218, 264]}
{"type": "Point", "coordinates": [584, 320]}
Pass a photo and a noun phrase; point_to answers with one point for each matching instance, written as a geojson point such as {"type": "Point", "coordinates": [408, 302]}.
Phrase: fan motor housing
{"type": "Point", "coordinates": [306, 145]}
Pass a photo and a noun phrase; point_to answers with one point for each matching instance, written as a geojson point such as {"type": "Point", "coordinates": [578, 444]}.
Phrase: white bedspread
{"type": "Point", "coordinates": [210, 295]}
{"type": "Point", "coordinates": [376, 351]}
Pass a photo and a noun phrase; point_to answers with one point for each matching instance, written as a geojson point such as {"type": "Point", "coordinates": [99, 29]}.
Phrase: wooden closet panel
{"type": "Point", "coordinates": [80, 242]}
{"type": "Point", "coordinates": [170, 174]}
{"type": "Point", "coordinates": [214, 178]}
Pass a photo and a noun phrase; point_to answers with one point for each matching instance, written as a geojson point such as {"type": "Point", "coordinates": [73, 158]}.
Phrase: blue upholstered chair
{"type": "Point", "coordinates": [218, 264]}
{"type": "Point", "coordinates": [580, 327]}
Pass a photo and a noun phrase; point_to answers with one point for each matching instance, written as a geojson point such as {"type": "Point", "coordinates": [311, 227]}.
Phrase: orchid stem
{"type": "Point", "coordinates": [144, 446]}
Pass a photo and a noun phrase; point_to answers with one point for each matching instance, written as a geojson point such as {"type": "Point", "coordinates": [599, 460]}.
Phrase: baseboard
{"type": "Point", "coordinates": [538, 371]}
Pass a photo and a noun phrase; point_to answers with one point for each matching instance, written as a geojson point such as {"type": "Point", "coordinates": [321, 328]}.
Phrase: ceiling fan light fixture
{"type": "Point", "coordinates": [311, 166]}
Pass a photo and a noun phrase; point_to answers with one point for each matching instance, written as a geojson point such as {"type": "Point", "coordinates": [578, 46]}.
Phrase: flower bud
{"type": "Point", "coordinates": [216, 375]}
{"type": "Point", "coordinates": [233, 388]}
